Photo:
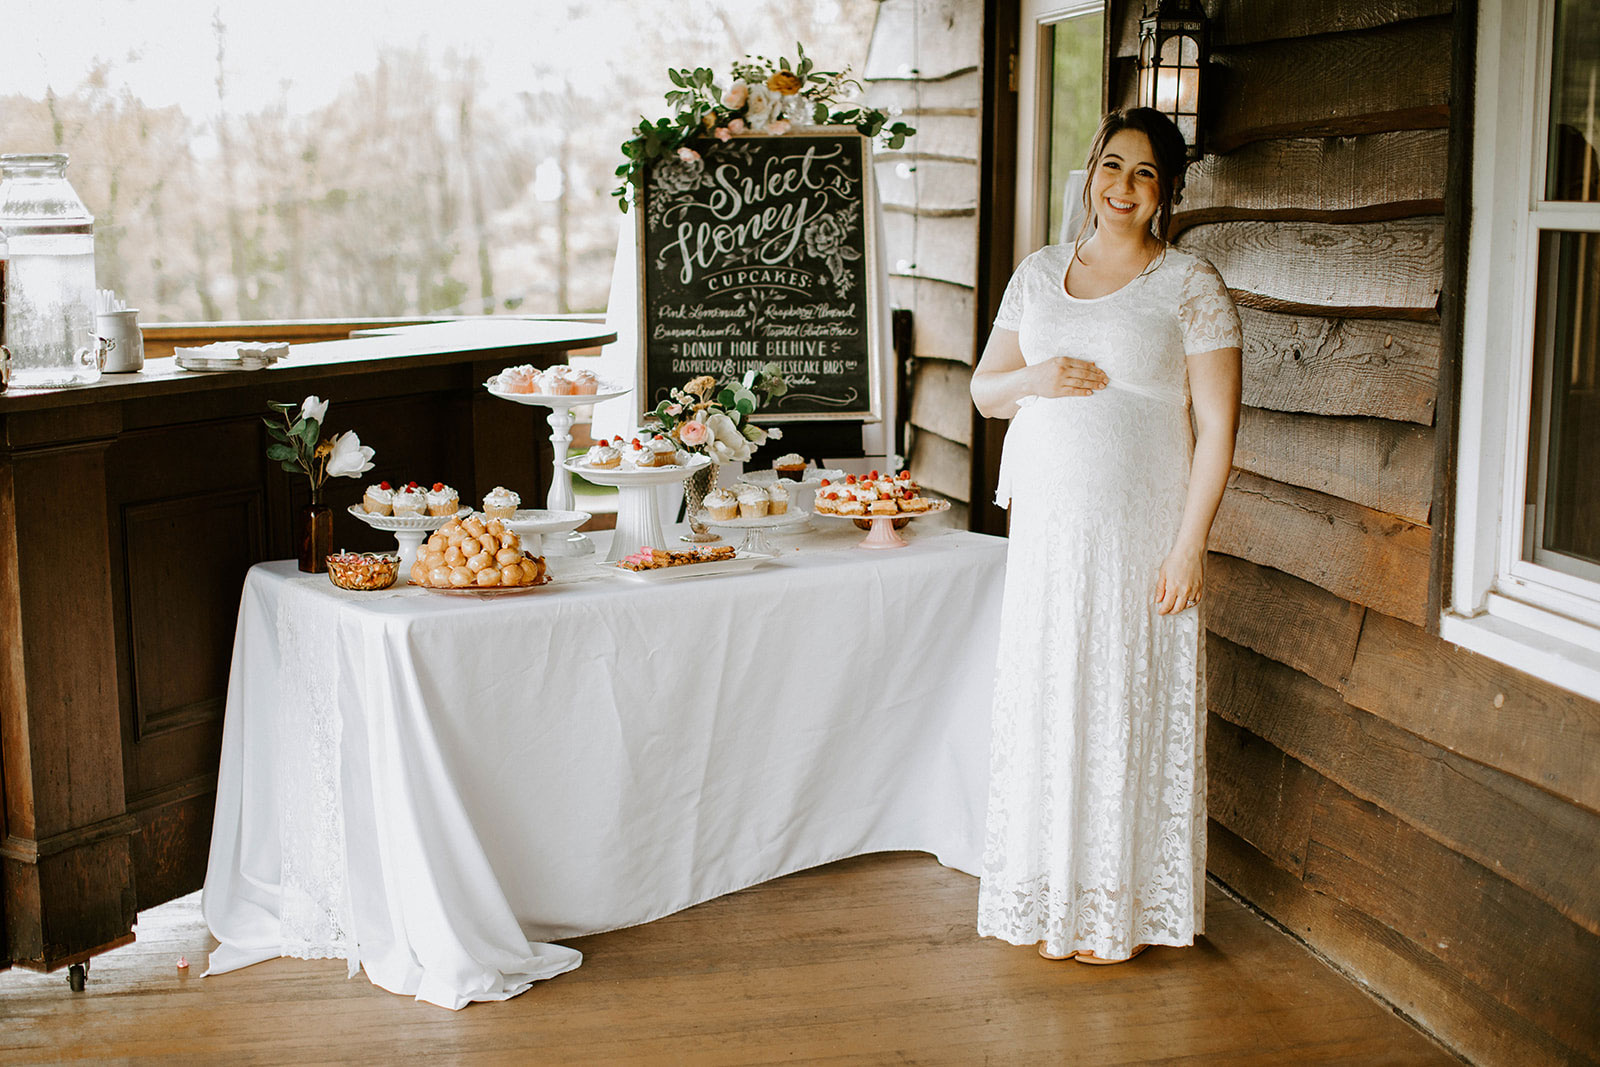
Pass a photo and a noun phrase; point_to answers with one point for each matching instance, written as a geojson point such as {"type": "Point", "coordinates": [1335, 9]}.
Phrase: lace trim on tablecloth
{"type": "Point", "coordinates": [314, 908]}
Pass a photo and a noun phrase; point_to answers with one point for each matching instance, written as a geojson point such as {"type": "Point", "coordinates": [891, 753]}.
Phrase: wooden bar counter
{"type": "Point", "coordinates": [130, 511]}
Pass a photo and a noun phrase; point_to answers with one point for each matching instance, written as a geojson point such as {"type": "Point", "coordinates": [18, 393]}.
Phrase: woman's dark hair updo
{"type": "Point", "coordinates": [1172, 157]}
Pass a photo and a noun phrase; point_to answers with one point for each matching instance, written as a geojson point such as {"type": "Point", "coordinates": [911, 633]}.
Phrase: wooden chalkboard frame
{"type": "Point", "coordinates": [653, 383]}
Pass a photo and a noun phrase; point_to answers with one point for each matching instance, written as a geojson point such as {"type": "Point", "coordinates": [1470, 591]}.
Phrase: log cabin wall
{"type": "Point", "coordinates": [925, 60]}
{"type": "Point", "coordinates": [1425, 818]}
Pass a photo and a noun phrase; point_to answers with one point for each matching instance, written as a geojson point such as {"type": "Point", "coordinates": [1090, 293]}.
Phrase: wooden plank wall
{"type": "Point", "coordinates": [925, 60]}
{"type": "Point", "coordinates": [1424, 817]}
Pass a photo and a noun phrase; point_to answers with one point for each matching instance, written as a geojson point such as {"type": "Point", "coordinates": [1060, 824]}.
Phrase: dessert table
{"type": "Point", "coordinates": [432, 786]}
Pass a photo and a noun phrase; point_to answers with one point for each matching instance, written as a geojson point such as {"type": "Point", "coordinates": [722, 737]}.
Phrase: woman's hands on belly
{"type": "Point", "coordinates": [1065, 376]}
{"type": "Point", "coordinates": [1003, 377]}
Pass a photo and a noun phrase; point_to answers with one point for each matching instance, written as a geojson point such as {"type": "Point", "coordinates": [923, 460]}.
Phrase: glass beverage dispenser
{"type": "Point", "coordinates": [49, 285]}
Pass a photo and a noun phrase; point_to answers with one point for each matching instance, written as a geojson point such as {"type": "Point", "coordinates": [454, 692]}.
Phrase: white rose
{"type": "Point", "coordinates": [350, 458]}
{"type": "Point", "coordinates": [314, 408]}
{"type": "Point", "coordinates": [758, 107]}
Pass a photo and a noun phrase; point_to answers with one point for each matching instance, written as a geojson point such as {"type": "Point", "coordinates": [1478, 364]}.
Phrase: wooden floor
{"type": "Point", "coordinates": [870, 960]}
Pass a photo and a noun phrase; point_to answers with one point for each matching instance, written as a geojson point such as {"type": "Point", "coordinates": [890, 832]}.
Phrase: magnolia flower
{"type": "Point", "coordinates": [759, 107]}
{"type": "Point", "coordinates": [350, 458]}
{"type": "Point", "coordinates": [723, 134]}
{"type": "Point", "coordinates": [736, 126]}
{"type": "Point", "coordinates": [688, 155]}
{"type": "Point", "coordinates": [315, 408]}
{"type": "Point", "coordinates": [778, 128]}
{"type": "Point", "coordinates": [728, 439]}
{"type": "Point", "coordinates": [734, 98]}
{"type": "Point", "coordinates": [693, 433]}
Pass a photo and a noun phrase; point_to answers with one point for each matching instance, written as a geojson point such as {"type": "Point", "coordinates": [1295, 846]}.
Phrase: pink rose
{"type": "Point", "coordinates": [736, 126]}
{"type": "Point", "coordinates": [734, 98]}
{"type": "Point", "coordinates": [674, 409]}
{"type": "Point", "coordinates": [723, 134]}
{"type": "Point", "coordinates": [688, 155]}
{"type": "Point", "coordinates": [779, 128]}
{"type": "Point", "coordinates": [693, 433]}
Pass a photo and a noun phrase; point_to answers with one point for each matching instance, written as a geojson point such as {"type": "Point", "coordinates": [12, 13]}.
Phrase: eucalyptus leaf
{"type": "Point", "coordinates": [746, 406]}
{"type": "Point", "coordinates": [725, 398]}
{"type": "Point", "coordinates": [292, 468]}
{"type": "Point", "coordinates": [281, 452]}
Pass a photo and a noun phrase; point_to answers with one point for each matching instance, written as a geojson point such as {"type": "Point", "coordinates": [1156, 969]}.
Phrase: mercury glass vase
{"type": "Point", "coordinates": [695, 488]}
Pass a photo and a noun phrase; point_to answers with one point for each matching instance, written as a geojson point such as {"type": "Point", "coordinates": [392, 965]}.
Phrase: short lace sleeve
{"type": "Point", "coordinates": [1010, 315]}
{"type": "Point", "coordinates": [1206, 313]}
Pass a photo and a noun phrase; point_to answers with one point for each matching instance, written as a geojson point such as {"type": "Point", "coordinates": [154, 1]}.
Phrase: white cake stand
{"type": "Point", "coordinates": [533, 525]}
{"type": "Point", "coordinates": [638, 522]}
{"type": "Point", "coordinates": [409, 532]}
{"type": "Point", "coordinates": [560, 497]}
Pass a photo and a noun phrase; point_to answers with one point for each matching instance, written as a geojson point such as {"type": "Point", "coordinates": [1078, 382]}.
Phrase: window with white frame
{"type": "Point", "coordinates": [1525, 582]}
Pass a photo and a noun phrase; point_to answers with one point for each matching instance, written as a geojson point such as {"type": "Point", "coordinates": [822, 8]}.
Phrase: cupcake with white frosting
{"type": "Point", "coordinates": [663, 453]}
{"type": "Point", "coordinates": [378, 499]}
{"type": "Point", "coordinates": [443, 500]}
{"type": "Point", "coordinates": [753, 502]}
{"type": "Point", "coordinates": [722, 505]}
{"type": "Point", "coordinates": [790, 465]}
{"type": "Point", "coordinates": [410, 500]}
{"type": "Point", "coordinates": [501, 503]}
{"type": "Point", "coordinates": [603, 457]}
{"type": "Point", "coordinates": [777, 499]}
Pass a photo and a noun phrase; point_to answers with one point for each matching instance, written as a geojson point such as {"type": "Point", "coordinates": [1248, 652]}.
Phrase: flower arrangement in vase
{"type": "Point", "coordinates": [713, 417]}
{"type": "Point", "coordinates": [769, 97]}
{"type": "Point", "coordinates": [299, 447]}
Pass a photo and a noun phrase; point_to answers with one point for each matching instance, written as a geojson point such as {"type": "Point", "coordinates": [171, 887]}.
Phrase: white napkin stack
{"type": "Point", "coordinates": [231, 355]}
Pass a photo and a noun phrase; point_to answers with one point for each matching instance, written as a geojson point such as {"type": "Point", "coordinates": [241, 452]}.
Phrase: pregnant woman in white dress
{"type": "Point", "coordinates": [1117, 360]}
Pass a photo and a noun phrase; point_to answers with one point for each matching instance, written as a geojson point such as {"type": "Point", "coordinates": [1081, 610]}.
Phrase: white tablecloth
{"type": "Point", "coordinates": [429, 786]}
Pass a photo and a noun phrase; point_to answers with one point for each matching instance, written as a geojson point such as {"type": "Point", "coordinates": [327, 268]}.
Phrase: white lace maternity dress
{"type": "Point", "coordinates": [1096, 823]}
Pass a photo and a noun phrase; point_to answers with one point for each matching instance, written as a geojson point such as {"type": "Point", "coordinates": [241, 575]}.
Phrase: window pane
{"type": "Point", "coordinates": [1564, 461]}
{"type": "Point", "coordinates": [285, 160]}
{"type": "Point", "coordinates": [1074, 113]}
{"type": "Point", "coordinates": [1574, 163]}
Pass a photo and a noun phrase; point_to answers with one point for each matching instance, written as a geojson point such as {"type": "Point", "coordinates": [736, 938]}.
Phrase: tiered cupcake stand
{"type": "Point", "coordinates": [560, 498]}
{"type": "Point", "coordinates": [638, 520]}
{"type": "Point", "coordinates": [409, 532]}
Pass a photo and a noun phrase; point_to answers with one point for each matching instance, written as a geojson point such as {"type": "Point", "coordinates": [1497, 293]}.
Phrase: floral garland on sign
{"type": "Point", "coordinates": [766, 97]}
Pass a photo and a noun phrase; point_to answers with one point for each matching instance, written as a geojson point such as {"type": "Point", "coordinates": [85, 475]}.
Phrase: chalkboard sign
{"type": "Point", "coordinates": [762, 251]}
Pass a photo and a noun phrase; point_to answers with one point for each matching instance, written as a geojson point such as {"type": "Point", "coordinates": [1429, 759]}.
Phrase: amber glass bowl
{"type": "Point", "coordinates": [363, 571]}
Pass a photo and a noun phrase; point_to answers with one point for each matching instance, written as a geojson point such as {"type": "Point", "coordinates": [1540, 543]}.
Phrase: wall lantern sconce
{"type": "Point", "coordinates": [1172, 53]}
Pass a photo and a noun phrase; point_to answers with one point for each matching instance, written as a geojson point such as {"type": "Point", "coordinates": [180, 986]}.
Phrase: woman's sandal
{"type": "Point", "coordinates": [1090, 957]}
{"type": "Point", "coordinates": [1047, 954]}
